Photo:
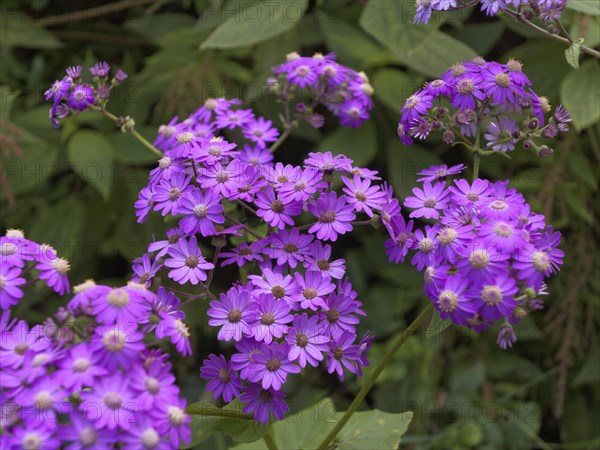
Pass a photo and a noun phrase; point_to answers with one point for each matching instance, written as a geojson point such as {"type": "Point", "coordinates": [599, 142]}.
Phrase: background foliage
{"type": "Point", "coordinates": [75, 188]}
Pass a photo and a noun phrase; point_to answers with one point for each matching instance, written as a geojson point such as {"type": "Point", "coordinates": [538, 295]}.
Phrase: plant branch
{"type": "Point", "coordinates": [389, 354]}
{"type": "Point", "coordinates": [205, 409]}
{"type": "Point", "coordinates": [90, 13]}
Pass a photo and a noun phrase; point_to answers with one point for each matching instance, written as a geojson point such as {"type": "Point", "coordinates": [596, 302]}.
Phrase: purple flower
{"type": "Point", "coordinates": [302, 186]}
{"type": "Point", "coordinates": [504, 235]}
{"type": "Point", "coordinates": [497, 83]}
{"type": "Point", "coordinates": [362, 195]}
{"type": "Point", "coordinates": [145, 269]}
{"type": "Point", "coordinates": [201, 210]}
{"type": "Point", "coordinates": [143, 205]}
{"type": "Point", "coordinates": [224, 180]}
{"type": "Point", "coordinates": [119, 305]}
{"type": "Point", "coordinates": [428, 201]}
{"type": "Point", "coordinates": [401, 238]}
{"type": "Point", "coordinates": [153, 384]}
{"type": "Point", "coordinates": [339, 315]}
{"type": "Point", "coordinates": [416, 105]}
{"type": "Point", "coordinates": [481, 262]}
{"type": "Point", "coordinates": [496, 298]}
{"type": "Point", "coordinates": [117, 345]}
{"type": "Point", "coordinates": [260, 131]}
{"type": "Point", "coordinates": [100, 69]}
{"type": "Point", "coordinates": [256, 155]}
{"type": "Point", "coordinates": [222, 378]}
{"type": "Point", "coordinates": [213, 151]}
{"type": "Point", "coordinates": [306, 343]}
{"type": "Point", "coordinates": [426, 245]}
{"type": "Point", "coordinates": [59, 89]}
{"type": "Point", "coordinates": [318, 260]}
{"type": "Point", "coordinates": [270, 318]}
{"type": "Point", "coordinates": [343, 353]}
{"type": "Point", "coordinates": [10, 280]}
{"type": "Point", "coordinates": [491, 7]}
{"type": "Point", "coordinates": [54, 271]}
{"type": "Point", "coordinates": [247, 348]}
{"type": "Point", "coordinates": [474, 194]}
{"type": "Point", "coordinates": [534, 264]}
{"type": "Point", "coordinates": [435, 173]}
{"type": "Point", "coordinates": [334, 216]}
{"type": "Point", "coordinates": [168, 193]}
{"type": "Point", "coordinates": [452, 238]}
{"type": "Point", "coordinates": [263, 403]}
{"type": "Point", "coordinates": [423, 11]}
{"type": "Point", "coordinates": [144, 434]}
{"type": "Point", "coordinates": [79, 368]}
{"type": "Point", "coordinates": [187, 262]}
{"type": "Point", "coordinates": [233, 118]}
{"type": "Point", "coordinates": [353, 113]}
{"type": "Point", "coordinates": [174, 328]}
{"type": "Point", "coordinates": [272, 366]}
{"type": "Point", "coordinates": [451, 301]}
{"type": "Point", "coordinates": [289, 247]}
{"type": "Point", "coordinates": [232, 313]}
{"type": "Point", "coordinates": [274, 211]}
{"type": "Point", "coordinates": [81, 97]}
{"type": "Point", "coordinates": [32, 434]}
{"type": "Point", "coordinates": [328, 162]}
{"type": "Point", "coordinates": [314, 288]}
{"type": "Point", "coordinates": [282, 287]}
{"type": "Point", "coordinates": [467, 93]}
{"type": "Point", "coordinates": [500, 135]}
{"type": "Point", "coordinates": [243, 253]}
{"type": "Point", "coordinates": [82, 433]}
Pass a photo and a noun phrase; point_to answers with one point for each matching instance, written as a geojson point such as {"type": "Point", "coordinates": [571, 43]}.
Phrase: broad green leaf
{"type": "Point", "coordinates": [576, 201]}
{"type": "Point", "coordinates": [524, 419]}
{"type": "Point", "coordinates": [437, 325]}
{"type": "Point", "coordinates": [586, 27]}
{"type": "Point", "coordinates": [91, 156]}
{"type": "Point", "coordinates": [127, 149]}
{"type": "Point", "coordinates": [572, 53]}
{"type": "Point", "coordinates": [19, 30]}
{"type": "Point", "coordinates": [404, 163]}
{"type": "Point", "coordinates": [373, 430]}
{"type": "Point", "coordinates": [256, 22]}
{"type": "Point", "coordinates": [481, 37]}
{"type": "Point", "coordinates": [393, 87]}
{"type": "Point", "coordinates": [582, 168]}
{"type": "Point", "coordinates": [358, 144]}
{"type": "Point", "coordinates": [580, 94]}
{"type": "Point", "coordinates": [155, 26]}
{"type": "Point", "coordinates": [390, 22]}
{"type": "Point", "coordinates": [590, 372]}
{"type": "Point", "coordinates": [240, 429]}
{"type": "Point", "coordinates": [591, 7]}
{"type": "Point", "coordinates": [436, 53]}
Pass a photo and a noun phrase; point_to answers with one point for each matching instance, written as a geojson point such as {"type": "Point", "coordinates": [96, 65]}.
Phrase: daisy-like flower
{"type": "Point", "coordinates": [260, 131]}
{"type": "Point", "coordinates": [118, 305]}
{"type": "Point", "coordinates": [343, 353]}
{"type": "Point", "coordinates": [428, 201]}
{"type": "Point", "coordinates": [302, 73]}
{"type": "Point", "coordinates": [79, 368]}
{"type": "Point", "coordinates": [83, 434]}
{"type": "Point", "coordinates": [81, 97]}
{"type": "Point", "coordinates": [467, 92]}
{"type": "Point", "coordinates": [256, 155]}
{"type": "Point", "coordinates": [496, 299]}
{"type": "Point", "coordinates": [144, 269]}
{"type": "Point", "coordinates": [451, 301]}
{"type": "Point", "coordinates": [314, 288]}
{"type": "Point", "coordinates": [101, 69]}
{"type": "Point", "coordinates": [452, 238]}
{"type": "Point", "coordinates": [470, 194]}
{"type": "Point", "coordinates": [271, 366]}
{"type": "Point", "coordinates": [168, 193]}
{"type": "Point", "coordinates": [247, 349]}
{"type": "Point", "coordinates": [243, 254]}
{"type": "Point", "coordinates": [506, 337]}
{"type": "Point", "coordinates": [415, 106]}
{"type": "Point", "coordinates": [54, 270]}
{"type": "Point", "coordinates": [187, 262]}
{"type": "Point", "coordinates": [481, 262]}
{"type": "Point", "coordinates": [174, 328]}
{"type": "Point", "coordinates": [504, 235]}
{"type": "Point", "coordinates": [420, 128]}
{"type": "Point", "coordinates": [353, 113]}
{"type": "Point", "coordinates": [334, 216]}
{"type": "Point", "coordinates": [143, 204]}
{"type": "Point", "coordinates": [231, 119]}
{"type": "Point", "coordinates": [306, 343]}
{"type": "Point", "coordinates": [275, 211]}
{"type": "Point", "coordinates": [340, 315]}
{"type": "Point", "coordinates": [264, 403]}
{"type": "Point", "coordinates": [224, 180]}
{"type": "Point", "coordinates": [177, 421]}
{"type": "Point", "coordinates": [173, 237]}
{"type": "Point", "coordinates": [497, 83]}
{"type": "Point", "coordinates": [362, 195]}
{"type": "Point", "coordinates": [500, 136]}
{"type": "Point", "coordinates": [288, 247]}
{"type": "Point", "coordinates": [213, 151]}
{"type": "Point", "coordinates": [232, 313]}
{"type": "Point", "coordinates": [117, 345]}
{"type": "Point", "coordinates": [534, 264]}
{"type": "Point", "coordinates": [327, 162]}
{"type": "Point", "coordinates": [270, 318]}
{"type": "Point", "coordinates": [426, 245]}
{"type": "Point", "coordinates": [222, 379]}
{"type": "Point", "coordinates": [440, 172]}
{"type": "Point", "coordinates": [10, 280]}
{"type": "Point", "coordinates": [59, 89]}
{"type": "Point", "coordinates": [32, 434]}
{"type": "Point", "coordinates": [145, 434]}
{"type": "Point", "coordinates": [282, 287]}
{"type": "Point", "coordinates": [302, 187]}
{"type": "Point", "coordinates": [401, 238]}
{"type": "Point", "coordinates": [201, 211]}
{"type": "Point", "coordinates": [318, 260]}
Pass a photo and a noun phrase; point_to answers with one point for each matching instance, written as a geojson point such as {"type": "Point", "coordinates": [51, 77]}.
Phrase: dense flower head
{"type": "Point", "coordinates": [545, 10]}
{"type": "Point", "coordinates": [343, 91]}
{"type": "Point", "coordinates": [492, 97]}
{"type": "Point", "coordinates": [484, 256]}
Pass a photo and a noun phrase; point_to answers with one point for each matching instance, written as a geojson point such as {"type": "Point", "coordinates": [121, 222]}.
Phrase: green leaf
{"type": "Point", "coordinates": [393, 87]}
{"type": "Point", "coordinates": [155, 26]}
{"type": "Point", "coordinates": [358, 144]}
{"type": "Point", "coordinates": [390, 22]}
{"type": "Point", "coordinates": [573, 52]}
{"type": "Point", "coordinates": [373, 430]}
{"type": "Point", "coordinates": [582, 168]}
{"type": "Point", "coordinates": [205, 423]}
{"type": "Point", "coordinates": [590, 372]}
{"type": "Point", "coordinates": [575, 198]}
{"type": "Point", "coordinates": [481, 37]}
{"type": "Point", "coordinates": [91, 156]}
{"type": "Point", "coordinates": [580, 92]}
{"type": "Point", "coordinates": [19, 30]}
{"type": "Point", "coordinates": [590, 7]}
{"type": "Point", "coordinates": [404, 163]}
{"type": "Point", "coordinates": [256, 22]}
{"type": "Point", "coordinates": [437, 325]}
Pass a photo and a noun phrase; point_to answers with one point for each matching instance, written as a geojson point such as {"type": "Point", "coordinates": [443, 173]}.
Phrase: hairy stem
{"type": "Point", "coordinates": [374, 375]}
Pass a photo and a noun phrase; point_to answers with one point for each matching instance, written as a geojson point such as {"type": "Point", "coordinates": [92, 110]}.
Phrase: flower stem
{"type": "Point", "coordinates": [389, 354]}
{"type": "Point", "coordinates": [281, 139]}
{"type": "Point", "coordinates": [205, 409]}
{"type": "Point", "coordinates": [476, 161]}
{"type": "Point", "coordinates": [269, 438]}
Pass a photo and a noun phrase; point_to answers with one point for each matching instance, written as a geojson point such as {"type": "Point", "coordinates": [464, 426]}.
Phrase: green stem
{"type": "Point", "coordinates": [476, 161]}
{"type": "Point", "coordinates": [389, 354]}
{"type": "Point", "coordinates": [212, 411]}
{"type": "Point", "coordinates": [281, 139]}
{"type": "Point", "coordinates": [269, 438]}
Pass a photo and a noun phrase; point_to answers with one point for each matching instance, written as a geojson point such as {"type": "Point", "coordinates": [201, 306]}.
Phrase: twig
{"type": "Point", "coordinates": [91, 13]}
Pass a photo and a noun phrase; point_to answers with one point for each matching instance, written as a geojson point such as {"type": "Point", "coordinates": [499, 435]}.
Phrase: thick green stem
{"type": "Point", "coordinates": [281, 139]}
{"type": "Point", "coordinates": [212, 411]}
{"type": "Point", "coordinates": [389, 354]}
{"type": "Point", "coordinates": [476, 161]}
{"type": "Point", "coordinates": [269, 438]}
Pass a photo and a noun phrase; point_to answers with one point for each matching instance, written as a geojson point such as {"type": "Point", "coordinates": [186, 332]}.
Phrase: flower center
{"type": "Point", "coordinates": [502, 229]}
{"type": "Point", "coordinates": [245, 251]}
{"type": "Point", "coordinates": [329, 71]}
{"type": "Point", "coordinates": [150, 438]}
{"type": "Point", "coordinates": [447, 235]}
{"type": "Point", "coordinates": [447, 301]}
{"type": "Point", "coordinates": [31, 441]}
{"type": "Point", "coordinates": [502, 80]}
{"type": "Point", "coordinates": [479, 259]}
{"type": "Point", "coordinates": [354, 112]}
{"type": "Point", "coordinates": [224, 375]}
{"type": "Point", "coordinates": [472, 196]}
{"type": "Point", "coordinates": [465, 86]}
{"type": "Point", "coordinates": [174, 194]}
{"type": "Point", "coordinates": [152, 385]}
{"type": "Point", "coordinates": [267, 319]}
{"type": "Point", "coordinates": [499, 205]}
{"type": "Point", "coordinates": [215, 150]}
{"type": "Point", "coordinates": [411, 102]}
{"type": "Point", "coordinates": [21, 348]}
{"type": "Point", "coordinates": [2, 282]}
{"type": "Point", "coordinates": [278, 292]}
{"type": "Point", "coordinates": [222, 176]}
{"type": "Point", "coordinates": [309, 293]}
{"type": "Point", "coordinates": [426, 245]}
{"type": "Point", "coordinates": [184, 138]}
{"type": "Point", "coordinates": [112, 400]}
{"type": "Point", "coordinates": [80, 365]}
{"type": "Point", "coordinates": [429, 274]}
{"type": "Point", "coordinates": [273, 364]}
{"type": "Point", "coordinates": [437, 83]}
{"type": "Point", "coordinates": [360, 196]}
{"type": "Point", "coordinates": [430, 202]}
{"type": "Point", "coordinates": [174, 239]}
{"type": "Point", "coordinates": [43, 400]}
{"type": "Point", "coordinates": [458, 70]}
{"type": "Point", "coordinates": [302, 71]}
{"type": "Point", "coordinates": [300, 185]}
{"type": "Point", "coordinates": [60, 265]}
{"type": "Point", "coordinates": [338, 353]}
{"type": "Point", "coordinates": [200, 211]}
{"type": "Point", "coordinates": [514, 65]}
{"type": "Point", "coordinates": [301, 340]}
{"type": "Point", "coordinates": [164, 162]}
{"type": "Point", "coordinates": [277, 206]}
{"type": "Point", "coordinates": [8, 249]}
{"type": "Point", "coordinates": [114, 340]}
{"type": "Point", "coordinates": [176, 415]}
{"type": "Point", "coordinates": [541, 261]}
{"type": "Point", "coordinates": [234, 316]}
{"type": "Point", "coordinates": [290, 248]}
{"type": "Point", "coordinates": [88, 436]}
{"type": "Point", "coordinates": [40, 359]}
{"type": "Point", "coordinates": [182, 328]}
{"type": "Point", "coordinates": [327, 217]}
{"type": "Point", "coordinates": [118, 298]}
{"type": "Point", "coordinates": [491, 295]}
{"type": "Point", "coordinates": [266, 396]}
{"type": "Point", "coordinates": [323, 264]}
{"type": "Point", "coordinates": [333, 315]}
{"type": "Point", "coordinates": [79, 95]}
{"type": "Point", "coordinates": [191, 261]}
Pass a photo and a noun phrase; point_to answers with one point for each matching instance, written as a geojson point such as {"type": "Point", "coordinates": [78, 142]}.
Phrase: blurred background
{"type": "Point", "coordinates": [74, 187]}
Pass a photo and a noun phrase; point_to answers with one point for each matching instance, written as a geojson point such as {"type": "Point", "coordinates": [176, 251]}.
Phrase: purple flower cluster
{"type": "Point", "coordinates": [545, 10]}
{"type": "Point", "coordinates": [343, 91]}
{"type": "Point", "coordinates": [478, 95]}
{"type": "Point", "coordinates": [86, 378]}
{"type": "Point", "coordinates": [71, 94]}
{"type": "Point", "coordinates": [486, 257]}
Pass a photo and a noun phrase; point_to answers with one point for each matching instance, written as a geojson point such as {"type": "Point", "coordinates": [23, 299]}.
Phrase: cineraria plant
{"type": "Point", "coordinates": [485, 255]}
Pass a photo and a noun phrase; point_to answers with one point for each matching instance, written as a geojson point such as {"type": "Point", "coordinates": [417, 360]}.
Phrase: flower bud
{"type": "Point", "coordinates": [544, 151]}
{"type": "Point", "coordinates": [534, 123]}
